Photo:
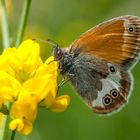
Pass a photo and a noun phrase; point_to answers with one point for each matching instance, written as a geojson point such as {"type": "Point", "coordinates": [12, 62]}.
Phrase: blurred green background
{"type": "Point", "coordinates": [63, 21]}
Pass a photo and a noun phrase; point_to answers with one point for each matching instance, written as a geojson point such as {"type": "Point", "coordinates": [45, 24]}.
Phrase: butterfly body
{"type": "Point", "coordinates": [98, 63]}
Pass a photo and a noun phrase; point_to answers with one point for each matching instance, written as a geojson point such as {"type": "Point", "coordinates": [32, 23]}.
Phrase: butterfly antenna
{"type": "Point", "coordinates": [49, 41]}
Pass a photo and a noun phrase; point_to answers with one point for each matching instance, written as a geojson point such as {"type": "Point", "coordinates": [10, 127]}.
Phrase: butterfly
{"type": "Point", "coordinates": [99, 62]}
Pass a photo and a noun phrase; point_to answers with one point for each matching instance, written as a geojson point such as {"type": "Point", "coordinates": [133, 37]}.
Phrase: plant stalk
{"type": "Point", "coordinates": [23, 21]}
{"type": "Point", "coordinates": [5, 29]}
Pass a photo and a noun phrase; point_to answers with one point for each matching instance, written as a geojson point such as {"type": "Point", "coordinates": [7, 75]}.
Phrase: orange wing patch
{"type": "Point", "coordinates": [117, 41]}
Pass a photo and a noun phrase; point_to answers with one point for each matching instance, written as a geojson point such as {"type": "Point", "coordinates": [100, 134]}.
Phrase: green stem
{"type": "Point", "coordinates": [6, 43]}
{"type": "Point", "coordinates": [4, 127]}
{"type": "Point", "coordinates": [13, 135]}
{"type": "Point", "coordinates": [23, 22]}
{"type": "Point", "coordinates": [5, 30]}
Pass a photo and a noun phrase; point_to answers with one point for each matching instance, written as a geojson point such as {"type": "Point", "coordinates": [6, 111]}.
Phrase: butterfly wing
{"type": "Point", "coordinates": [116, 41]}
{"type": "Point", "coordinates": [102, 85]}
{"type": "Point", "coordinates": [102, 77]}
{"type": "Point", "coordinates": [116, 90]}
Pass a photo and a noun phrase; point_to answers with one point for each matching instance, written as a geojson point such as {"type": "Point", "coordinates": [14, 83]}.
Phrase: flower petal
{"type": "Point", "coordinates": [26, 57]}
{"type": "Point", "coordinates": [16, 124]}
{"type": "Point", "coordinates": [42, 84]}
{"type": "Point", "coordinates": [9, 88]}
{"type": "Point", "coordinates": [5, 59]}
{"type": "Point", "coordinates": [29, 55]}
{"type": "Point", "coordinates": [60, 103]}
{"type": "Point", "coordinates": [52, 66]}
{"type": "Point", "coordinates": [25, 107]}
{"type": "Point", "coordinates": [27, 128]}
{"type": "Point", "coordinates": [21, 125]}
{"type": "Point", "coordinates": [49, 60]}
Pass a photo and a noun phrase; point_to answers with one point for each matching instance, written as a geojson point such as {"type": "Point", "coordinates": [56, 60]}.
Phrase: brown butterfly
{"type": "Point", "coordinates": [98, 64]}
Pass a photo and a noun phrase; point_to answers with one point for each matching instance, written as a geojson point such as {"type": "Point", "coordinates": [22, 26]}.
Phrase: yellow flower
{"type": "Point", "coordinates": [28, 83]}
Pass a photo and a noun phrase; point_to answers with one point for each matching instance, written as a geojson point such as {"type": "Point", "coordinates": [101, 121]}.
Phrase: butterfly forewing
{"type": "Point", "coordinates": [116, 40]}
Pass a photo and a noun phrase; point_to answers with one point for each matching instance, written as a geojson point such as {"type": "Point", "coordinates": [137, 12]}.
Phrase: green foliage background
{"type": "Point", "coordinates": [63, 21]}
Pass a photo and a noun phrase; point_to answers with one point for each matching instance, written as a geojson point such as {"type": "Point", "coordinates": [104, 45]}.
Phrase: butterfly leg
{"type": "Point", "coordinates": [65, 80]}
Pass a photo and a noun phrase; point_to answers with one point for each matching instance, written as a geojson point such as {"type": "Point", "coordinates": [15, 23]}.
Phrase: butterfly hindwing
{"type": "Point", "coordinates": [116, 89]}
{"type": "Point", "coordinates": [96, 79]}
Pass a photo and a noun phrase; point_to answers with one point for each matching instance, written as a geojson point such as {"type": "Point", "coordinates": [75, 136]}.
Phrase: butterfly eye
{"type": "Point", "coordinates": [112, 69]}
{"type": "Point", "coordinates": [58, 54]}
{"type": "Point", "coordinates": [107, 100]}
{"type": "Point", "coordinates": [114, 93]}
{"type": "Point", "coordinates": [131, 29]}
